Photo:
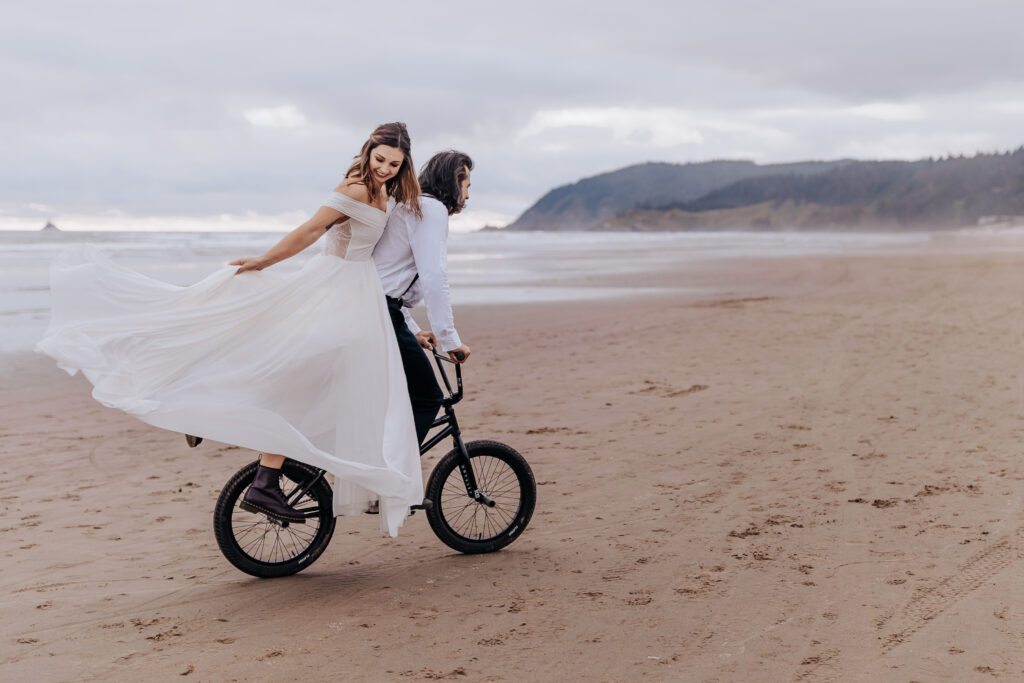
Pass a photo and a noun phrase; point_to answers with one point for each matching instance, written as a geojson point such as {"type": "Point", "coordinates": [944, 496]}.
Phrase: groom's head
{"type": "Point", "coordinates": [446, 178]}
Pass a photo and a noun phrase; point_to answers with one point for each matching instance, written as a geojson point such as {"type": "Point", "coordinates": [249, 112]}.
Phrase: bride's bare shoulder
{"type": "Point", "coordinates": [354, 189]}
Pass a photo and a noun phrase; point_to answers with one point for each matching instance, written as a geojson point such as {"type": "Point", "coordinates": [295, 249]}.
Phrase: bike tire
{"type": "Point", "coordinates": [243, 537]}
{"type": "Point", "coordinates": [470, 527]}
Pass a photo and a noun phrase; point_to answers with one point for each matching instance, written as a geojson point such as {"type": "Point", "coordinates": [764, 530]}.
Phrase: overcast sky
{"type": "Point", "coordinates": [242, 115]}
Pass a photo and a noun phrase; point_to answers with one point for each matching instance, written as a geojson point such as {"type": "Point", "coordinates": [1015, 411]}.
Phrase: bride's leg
{"type": "Point", "coordinates": [271, 460]}
{"type": "Point", "coordinates": [265, 493]}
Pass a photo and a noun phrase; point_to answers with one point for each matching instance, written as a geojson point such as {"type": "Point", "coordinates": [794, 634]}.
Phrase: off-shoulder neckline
{"type": "Point", "coordinates": [369, 206]}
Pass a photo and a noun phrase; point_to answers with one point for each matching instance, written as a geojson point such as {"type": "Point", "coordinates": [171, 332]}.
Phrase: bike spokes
{"type": "Point", "coordinates": [472, 519]}
{"type": "Point", "coordinates": [269, 540]}
{"type": "Point", "coordinates": [266, 547]}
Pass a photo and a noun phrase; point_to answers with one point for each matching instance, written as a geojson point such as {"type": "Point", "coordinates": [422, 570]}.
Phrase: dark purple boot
{"type": "Point", "coordinates": [265, 496]}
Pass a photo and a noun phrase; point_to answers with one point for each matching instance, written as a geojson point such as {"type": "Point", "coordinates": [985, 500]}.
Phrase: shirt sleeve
{"type": "Point", "coordinates": [429, 241]}
{"type": "Point", "coordinates": [409, 322]}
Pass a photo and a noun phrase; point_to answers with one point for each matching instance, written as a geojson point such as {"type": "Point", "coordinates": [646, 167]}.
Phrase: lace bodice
{"type": "Point", "coordinates": [353, 239]}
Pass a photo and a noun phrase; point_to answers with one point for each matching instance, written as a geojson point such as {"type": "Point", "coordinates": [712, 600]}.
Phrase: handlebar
{"type": "Point", "coordinates": [453, 396]}
{"type": "Point", "coordinates": [459, 356]}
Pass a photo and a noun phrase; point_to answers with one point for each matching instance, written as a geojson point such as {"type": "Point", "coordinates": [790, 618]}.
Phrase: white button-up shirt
{"type": "Point", "coordinates": [411, 245]}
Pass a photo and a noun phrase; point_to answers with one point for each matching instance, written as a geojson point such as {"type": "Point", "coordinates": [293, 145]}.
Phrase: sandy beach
{"type": "Point", "coordinates": [814, 477]}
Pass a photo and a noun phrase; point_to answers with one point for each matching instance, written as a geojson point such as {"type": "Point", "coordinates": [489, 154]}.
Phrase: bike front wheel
{"type": "Point", "coordinates": [470, 525]}
{"type": "Point", "coordinates": [266, 547]}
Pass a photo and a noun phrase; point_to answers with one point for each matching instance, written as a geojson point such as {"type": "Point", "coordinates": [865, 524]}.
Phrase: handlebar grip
{"type": "Point", "coordinates": [460, 356]}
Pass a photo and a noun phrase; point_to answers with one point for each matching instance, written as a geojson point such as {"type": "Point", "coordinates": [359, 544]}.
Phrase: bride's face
{"type": "Point", "coordinates": [385, 162]}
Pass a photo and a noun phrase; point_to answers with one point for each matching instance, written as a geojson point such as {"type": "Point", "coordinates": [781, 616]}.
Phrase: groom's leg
{"type": "Point", "coordinates": [424, 394]}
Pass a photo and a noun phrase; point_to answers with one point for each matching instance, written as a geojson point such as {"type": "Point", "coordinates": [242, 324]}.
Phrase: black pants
{"type": "Point", "coordinates": [424, 394]}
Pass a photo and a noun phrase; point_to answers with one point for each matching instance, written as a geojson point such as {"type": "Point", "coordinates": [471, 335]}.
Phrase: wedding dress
{"type": "Point", "coordinates": [304, 364]}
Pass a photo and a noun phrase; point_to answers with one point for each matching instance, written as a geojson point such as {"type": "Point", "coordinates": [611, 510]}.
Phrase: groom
{"type": "Point", "coordinates": [411, 258]}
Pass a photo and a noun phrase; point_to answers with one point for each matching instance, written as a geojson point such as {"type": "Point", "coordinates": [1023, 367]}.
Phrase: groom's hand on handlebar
{"type": "Point", "coordinates": [426, 339]}
{"type": "Point", "coordinates": [460, 354]}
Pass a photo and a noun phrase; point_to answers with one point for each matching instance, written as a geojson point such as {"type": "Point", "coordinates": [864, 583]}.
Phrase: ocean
{"type": "Point", "coordinates": [484, 267]}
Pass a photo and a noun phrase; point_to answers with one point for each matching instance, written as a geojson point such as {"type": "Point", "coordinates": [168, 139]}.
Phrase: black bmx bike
{"type": "Point", "coordinates": [479, 498]}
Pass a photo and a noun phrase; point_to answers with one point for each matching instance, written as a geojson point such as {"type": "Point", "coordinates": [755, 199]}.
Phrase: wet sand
{"type": "Point", "coordinates": [812, 477]}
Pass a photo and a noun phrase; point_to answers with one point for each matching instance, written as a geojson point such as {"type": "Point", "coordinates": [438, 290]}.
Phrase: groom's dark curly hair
{"type": "Point", "coordinates": [442, 177]}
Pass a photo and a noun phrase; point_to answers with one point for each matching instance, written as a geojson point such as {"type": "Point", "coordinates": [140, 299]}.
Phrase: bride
{"type": "Point", "coordinates": [301, 365]}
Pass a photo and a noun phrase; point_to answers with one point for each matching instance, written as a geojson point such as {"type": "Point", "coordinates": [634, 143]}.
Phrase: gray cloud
{"type": "Point", "coordinates": [226, 107]}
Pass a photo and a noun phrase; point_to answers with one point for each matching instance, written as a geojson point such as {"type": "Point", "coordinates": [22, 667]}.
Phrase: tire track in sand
{"type": "Point", "coordinates": [929, 603]}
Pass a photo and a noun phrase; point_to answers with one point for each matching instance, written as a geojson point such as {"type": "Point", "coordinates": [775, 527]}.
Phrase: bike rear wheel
{"type": "Point", "coordinates": [268, 548]}
{"type": "Point", "coordinates": [470, 526]}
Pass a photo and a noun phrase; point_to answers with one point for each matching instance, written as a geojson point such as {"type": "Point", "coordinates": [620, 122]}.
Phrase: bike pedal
{"type": "Point", "coordinates": [425, 505]}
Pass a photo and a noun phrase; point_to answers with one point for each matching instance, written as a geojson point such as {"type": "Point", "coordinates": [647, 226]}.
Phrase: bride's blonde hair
{"type": "Point", "coordinates": [403, 187]}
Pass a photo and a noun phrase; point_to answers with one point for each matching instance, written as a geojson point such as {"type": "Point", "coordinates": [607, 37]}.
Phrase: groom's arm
{"type": "Point", "coordinates": [409, 322]}
{"type": "Point", "coordinates": [426, 338]}
{"type": "Point", "coordinates": [429, 242]}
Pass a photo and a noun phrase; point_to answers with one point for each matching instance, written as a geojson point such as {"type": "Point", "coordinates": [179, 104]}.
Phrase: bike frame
{"type": "Point", "coordinates": [451, 428]}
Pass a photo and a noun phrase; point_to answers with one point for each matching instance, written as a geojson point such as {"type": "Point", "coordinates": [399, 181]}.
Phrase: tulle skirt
{"type": "Point", "coordinates": [304, 364]}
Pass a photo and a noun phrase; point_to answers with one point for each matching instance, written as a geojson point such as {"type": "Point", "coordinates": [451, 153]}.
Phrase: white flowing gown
{"type": "Point", "coordinates": [304, 364]}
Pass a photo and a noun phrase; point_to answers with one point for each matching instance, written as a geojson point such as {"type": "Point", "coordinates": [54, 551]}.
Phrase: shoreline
{"type": "Point", "coordinates": [521, 272]}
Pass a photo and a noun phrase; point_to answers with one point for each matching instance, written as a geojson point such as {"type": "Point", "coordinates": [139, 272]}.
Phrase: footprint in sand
{"type": "Point", "coordinates": [490, 642]}
{"type": "Point", "coordinates": [165, 635]}
{"type": "Point", "coordinates": [639, 598]}
{"type": "Point", "coordinates": [270, 655]}
{"type": "Point", "coordinates": [693, 389]}
{"type": "Point", "coordinates": [660, 388]}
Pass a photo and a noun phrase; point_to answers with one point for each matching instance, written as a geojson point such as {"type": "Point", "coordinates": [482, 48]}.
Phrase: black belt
{"type": "Point", "coordinates": [392, 301]}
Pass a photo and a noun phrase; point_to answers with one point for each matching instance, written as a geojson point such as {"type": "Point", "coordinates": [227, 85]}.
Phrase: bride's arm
{"type": "Point", "coordinates": [294, 242]}
{"type": "Point", "coordinates": [307, 233]}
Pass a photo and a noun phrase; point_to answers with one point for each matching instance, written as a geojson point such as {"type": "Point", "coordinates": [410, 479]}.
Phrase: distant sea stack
{"type": "Point", "coordinates": [50, 227]}
{"type": "Point", "coordinates": [930, 194]}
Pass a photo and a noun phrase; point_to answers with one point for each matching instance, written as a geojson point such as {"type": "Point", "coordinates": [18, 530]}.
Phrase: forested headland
{"type": "Point", "coordinates": [944, 193]}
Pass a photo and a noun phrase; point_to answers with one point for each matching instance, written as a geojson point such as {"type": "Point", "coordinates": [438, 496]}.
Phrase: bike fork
{"type": "Point", "coordinates": [466, 468]}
